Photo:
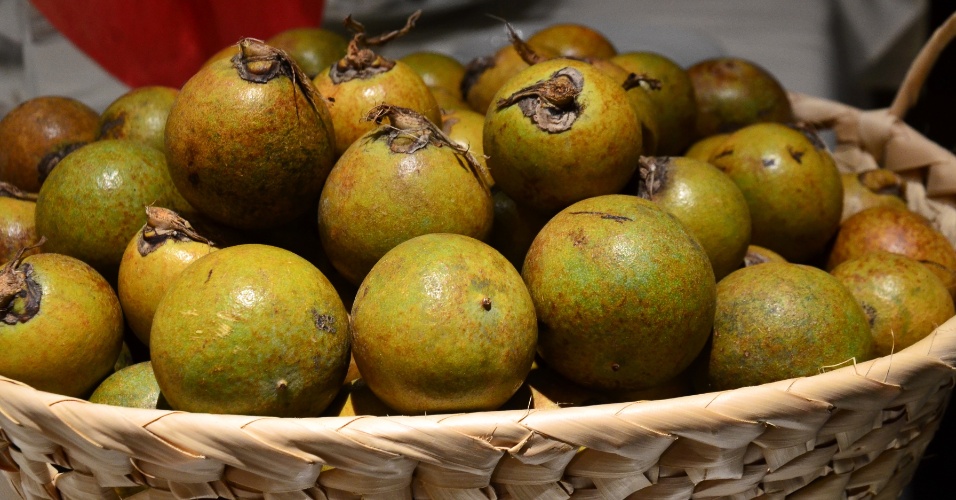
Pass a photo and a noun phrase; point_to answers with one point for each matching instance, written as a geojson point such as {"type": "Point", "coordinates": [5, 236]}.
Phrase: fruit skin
{"type": "Point", "coordinates": [575, 41]}
{"type": "Point", "coordinates": [399, 86]}
{"type": "Point", "coordinates": [131, 387]}
{"type": "Point", "coordinates": [791, 184]}
{"type": "Point", "coordinates": [485, 75]}
{"type": "Point", "coordinates": [17, 226]}
{"type": "Point", "coordinates": [139, 115]}
{"type": "Point", "coordinates": [375, 199]}
{"type": "Point", "coordinates": [778, 320]}
{"type": "Point", "coordinates": [40, 128]}
{"type": "Point", "coordinates": [248, 155]}
{"type": "Point", "coordinates": [437, 69]}
{"type": "Point", "coordinates": [902, 298]}
{"type": "Point", "coordinates": [732, 93]}
{"type": "Point", "coordinates": [548, 171]}
{"type": "Point", "coordinates": [72, 343]}
{"type": "Point", "coordinates": [93, 202]}
{"type": "Point", "coordinates": [869, 189]}
{"type": "Point", "coordinates": [313, 49]}
{"type": "Point", "coordinates": [757, 254]}
{"type": "Point", "coordinates": [465, 126]}
{"type": "Point", "coordinates": [704, 148]}
{"type": "Point", "coordinates": [443, 323]}
{"type": "Point", "coordinates": [250, 329]}
{"type": "Point", "coordinates": [624, 294]}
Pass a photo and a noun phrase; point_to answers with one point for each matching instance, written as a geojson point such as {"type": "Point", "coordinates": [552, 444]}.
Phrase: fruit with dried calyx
{"type": "Point", "coordinates": [402, 180]}
{"type": "Point", "coordinates": [249, 140]}
{"type": "Point", "coordinates": [485, 75]}
{"type": "Point", "coordinates": [778, 320]}
{"type": "Point", "coordinates": [253, 330]}
{"type": "Point", "coordinates": [706, 201]}
{"type": "Point", "coordinates": [155, 256]}
{"type": "Point", "coordinates": [17, 221]}
{"type": "Point", "coordinates": [791, 184]}
{"type": "Point", "coordinates": [465, 128]}
{"type": "Point", "coordinates": [903, 300]}
{"type": "Point", "coordinates": [548, 133]}
{"type": "Point", "coordinates": [313, 49]}
{"type": "Point", "coordinates": [869, 189]}
{"type": "Point", "coordinates": [363, 79]}
{"type": "Point", "coordinates": [61, 325]}
{"type": "Point", "coordinates": [623, 292]}
{"type": "Point", "coordinates": [38, 133]}
{"type": "Point", "coordinates": [139, 115]}
{"type": "Point", "coordinates": [732, 93]}
{"type": "Point", "coordinates": [443, 323]}
{"type": "Point", "coordinates": [132, 387]}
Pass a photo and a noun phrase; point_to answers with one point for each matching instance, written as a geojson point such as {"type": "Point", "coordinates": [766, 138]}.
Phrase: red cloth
{"type": "Point", "coordinates": [164, 42]}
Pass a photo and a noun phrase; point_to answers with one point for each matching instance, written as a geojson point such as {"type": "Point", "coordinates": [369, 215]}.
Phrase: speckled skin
{"type": "Point", "coordinates": [904, 300]}
{"type": "Point", "coordinates": [399, 86]}
{"type": "Point", "coordinates": [732, 93]}
{"type": "Point", "coordinates": [443, 323]}
{"type": "Point", "coordinates": [72, 343]}
{"type": "Point", "coordinates": [17, 226]}
{"type": "Point", "coordinates": [38, 127]}
{"type": "Point", "coordinates": [549, 171]}
{"type": "Point", "coordinates": [95, 199]}
{"type": "Point", "coordinates": [711, 207]}
{"type": "Point", "coordinates": [139, 115]}
{"type": "Point", "coordinates": [248, 155]}
{"type": "Point", "coordinates": [375, 199]}
{"type": "Point", "coordinates": [778, 320]}
{"type": "Point", "coordinates": [131, 387]}
{"type": "Point", "coordinates": [507, 63]}
{"type": "Point", "coordinates": [465, 127]}
{"type": "Point", "coordinates": [144, 279]}
{"type": "Point", "coordinates": [624, 294]}
{"type": "Point", "coordinates": [250, 329]}
{"type": "Point", "coordinates": [793, 189]}
{"type": "Point", "coordinates": [313, 49]}
{"type": "Point", "coordinates": [858, 197]}
{"type": "Point", "coordinates": [675, 100]}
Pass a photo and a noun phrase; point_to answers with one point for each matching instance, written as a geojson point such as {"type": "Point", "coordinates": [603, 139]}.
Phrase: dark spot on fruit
{"type": "Point", "coordinates": [208, 276]}
{"type": "Point", "coordinates": [282, 385]}
{"type": "Point", "coordinates": [746, 354]}
{"type": "Point", "coordinates": [870, 313]}
{"type": "Point", "coordinates": [769, 161]}
{"type": "Point", "coordinates": [580, 238]}
{"type": "Point", "coordinates": [50, 160]}
{"type": "Point", "coordinates": [796, 155]}
{"type": "Point", "coordinates": [606, 216]}
{"type": "Point", "coordinates": [194, 179]}
{"type": "Point", "coordinates": [615, 367]}
{"type": "Point", "coordinates": [323, 322]}
{"type": "Point", "coordinates": [486, 303]}
{"type": "Point", "coordinates": [109, 125]}
{"type": "Point", "coordinates": [726, 152]}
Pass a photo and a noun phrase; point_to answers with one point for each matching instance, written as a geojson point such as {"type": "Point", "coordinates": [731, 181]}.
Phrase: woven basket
{"type": "Point", "coordinates": [854, 432]}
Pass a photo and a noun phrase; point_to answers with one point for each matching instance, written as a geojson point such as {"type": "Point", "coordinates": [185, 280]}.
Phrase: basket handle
{"type": "Point", "coordinates": [921, 66]}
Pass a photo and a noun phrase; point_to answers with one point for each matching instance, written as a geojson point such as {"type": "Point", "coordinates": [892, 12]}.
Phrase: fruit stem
{"type": "Point", "coordinates": [8, 190]}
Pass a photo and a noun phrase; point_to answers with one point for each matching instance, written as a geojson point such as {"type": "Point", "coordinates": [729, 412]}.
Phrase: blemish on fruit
{"type": "Point", "coordinates": [870, 312]}
{"type": "Point", "coordinates": [323, 322]}
{"type": "Point", "coordinates": [486, 303]}
{"type": "Point", "coordinates": [769, 161]}
{"type": "Point", "coordinates": [282, 385]}
{"type": "Point", "coordinates": [796, 155]}
{"type": "Point", "coordinates": [194, 179]}
{"type": "Point", "coordinates": [615, 367]}
{"type": "Point", "coordinates": [726, 152]}
{"type": "Point", "coordinates": [208, 276]}
{"type": "Point", "coordinates": [607, 216]}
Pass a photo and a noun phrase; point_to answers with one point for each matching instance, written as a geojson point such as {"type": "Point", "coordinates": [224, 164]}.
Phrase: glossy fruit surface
{"type": "Point", "coordinates": [131, 387]}
{"type": "Point", "coordinates": [313, 49]}
{"type": "Point", "coordinates": [573, 40]}
{"type": "Point", "coordinates": [733, 93]}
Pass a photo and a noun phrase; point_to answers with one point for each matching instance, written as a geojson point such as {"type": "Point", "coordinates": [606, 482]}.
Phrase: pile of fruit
{"type": "Point", "coordinates": [308, 228]}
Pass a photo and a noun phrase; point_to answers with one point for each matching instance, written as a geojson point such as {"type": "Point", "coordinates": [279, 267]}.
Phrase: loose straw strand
{"type": "Point", "coordinates": [921, 66]}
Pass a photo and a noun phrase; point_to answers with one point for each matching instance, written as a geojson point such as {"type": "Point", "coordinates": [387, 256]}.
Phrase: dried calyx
{"type": "Point", "coordinates": [8, 190]}
{"type": "Point", "coordinates": [882, 181]}
{"type": "Point", "coordinates": [409, 131]}
{"type": "Point", "coordinates": [812, 133]}
{"type": "Point", "coordinates": [164, 224]}
{"type": "Point", "coordinates": [362, 62]}
{"type": "Point", "coordinates": [51, 160]}
{"type": "Point", "coordinates": [551, 104]}
{"type": "Point", "coordinates": [17, 282]}
{"type": "Point", "coordinates": [635, 80]}
{"type": "Point", "coordinates": [258, 62]}
{"type": "Point", "coordinates": [652, 175]}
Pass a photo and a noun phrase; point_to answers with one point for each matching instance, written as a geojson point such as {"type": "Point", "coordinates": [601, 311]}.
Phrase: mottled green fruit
{"type": "Point", "coordinates": [903, 299]}
{"type": "Point", "coordinates": [550, 157]}
{"type": "Point", "coordinates": [777, 321]}
{"type": "Point", "coordinates": [706, 201]}
{"type": "Point", "coordinates": [249, 148]}
{"type": "Point", "coordinates": [139, 115]}
{"type": "Point", "coordinates": [514, 228]}
{"type": "Point", "coordinates": [437, 69]}
{"type": "Point", "coordinates": [313, 49]}
{"type": "Point", "coordinates": [443, 323]}
{"type": "Point", "coordinates": [791, 184]}
{"type": "Point", "coordinates": [623, 292]}
{"type": "Point", "coordinates": [132, 387]}
{"type": "Point", "coordinates": [62, 330]}
{"type": "Point", "coordinates": [252, 330]}
{"type": "Point", "coordinates": [93, 202]}
{"type": "Point", "coordinates": [17, 225]}
{"type": "Point", "coordinates": [574, 41]}
{"type": "Point", "coordinates": [732, 93]}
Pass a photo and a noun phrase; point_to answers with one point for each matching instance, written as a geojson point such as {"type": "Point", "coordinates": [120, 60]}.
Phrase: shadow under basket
{"type": "Point", "coordinates": [854, 432]}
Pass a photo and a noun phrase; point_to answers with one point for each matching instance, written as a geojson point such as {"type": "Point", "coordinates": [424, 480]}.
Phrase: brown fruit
{"type": "Point", "coordinates": [903, 300]}
{"type": "Point", "coordinates": [574, 41]}
{"type": "Point", "coordinates": [17, 221]}
{"type": "Point", "coordinates": [38, 133]}
{"type": "Point", "coordinates": [313, 49]}
{"type": "Point", "coordinates": [139, 115]}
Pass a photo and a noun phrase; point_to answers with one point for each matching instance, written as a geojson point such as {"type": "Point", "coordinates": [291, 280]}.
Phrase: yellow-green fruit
{"type": "Point", "coordinates": [17, 223]}
{"type": "Point", "coordinates": [139, 115]}
{"type": "Point", "coordinates": [623, 292]}
{"type": "Point", "coordinates": [704, 148]}
{"type": "Point", "coordinates": [252, 330]}
{"type": "Point", "coordinates": [437, 69]}
{"type": "Point", "coordinates": [443, 323]}
{"type": "Point", "coordinates": [777, 321]}
{"type": "Point", "coordinates": [485, 75]}
{"type": "Point", "coordinates": [757, 254]}
{"type": "Point", "coordinates": [313, 49]}
{"type": "Point", "coordinates": [706, 201]}
{"type": "Point", "coordinates": [150, 264]}
{"type": "Point", "coordinates": [449, 100]}
{"type": "Point", "coordinates": [132, 387]}
{"type": "Point", "coordinates": [573, 40]}
{"type": "Point", "coordinates": [61, 331]}
{"type": "Point", "coordinates": [871, 188]}
{"type": "Point", "coordinates": [902, 298]}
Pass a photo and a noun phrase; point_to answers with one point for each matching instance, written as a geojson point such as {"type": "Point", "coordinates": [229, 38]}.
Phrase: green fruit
{"type": "Point", "coordinates": [17, 221]}
{"type": "Point", "coordinates": [443, 323]}
{"type": "Point", "coordinates": [132, 387]}
{"type": "Point", "coordinates": [253, 330]}
{"type": "Point", "coordinates": [436, 69]}
{"type": "Point", "coordinates": [93, 202]}
{"type": "Point", "coordinates": [623, 292]}
{"type": "Point", "coordinates": [791, 184]}
{"type": "Point", "coordinates": [574, 41]}
{"type": "Point", "coordinates": [139, 115]}
{"type": "Point", "coordinates": [249, 141]}
{"type": "Point", "coordinates": [732, 93]}
{"type": "Point", "coordinates": [704, 148]}
{"type": "Point", "coordinates": [706, 201]}
{"type": "Point", "coordinates": [61, 326]}
{"type": "Point", "coordinates": [313, 49]}
{"type": "Point", "coordinates": [777, 321]}
{"type": "Point", "coordinates": [547, 155]}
